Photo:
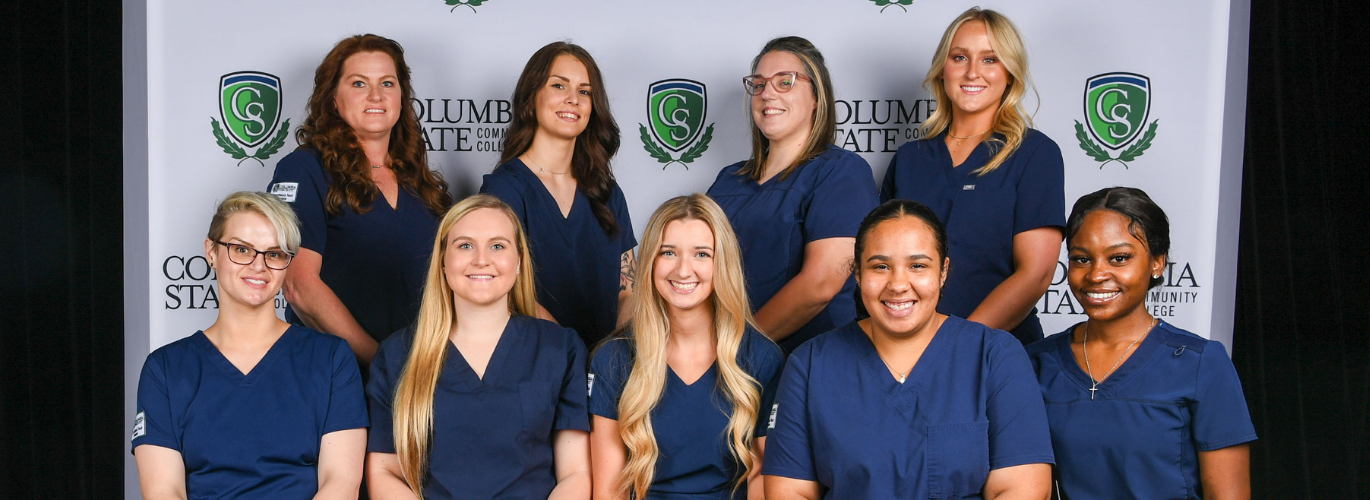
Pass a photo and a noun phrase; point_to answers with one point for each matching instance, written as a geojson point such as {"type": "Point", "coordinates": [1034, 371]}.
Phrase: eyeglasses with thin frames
{"type": "Point", "coordinates": [244, 255]}
{"type": "Point", "coordinates": [782, 81]}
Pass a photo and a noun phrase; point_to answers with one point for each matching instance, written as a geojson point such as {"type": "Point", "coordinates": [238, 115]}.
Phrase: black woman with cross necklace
{"type": "Point", "coordinates": [1138, 408]}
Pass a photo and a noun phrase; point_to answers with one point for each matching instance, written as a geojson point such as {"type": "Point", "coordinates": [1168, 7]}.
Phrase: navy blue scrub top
{"type": "Point", "coordinates": [825, 197]}
{"type": "Point", "coordinates": [982, 214]}
{"type": "Point", "coordinates": [576, 264]}
{"type": "Point", "coordinates": [376, 262]}
{"type": "Point", "coordinates": [255, 435]}
{"type": "Point", "coordinates": [690, 422]}
{"type": "Point", "coordinates": [968, 407]}
{"type": "Point", "coordinates": [492, 437]}
{"type": "Point", "coordinates": [1138, 438]}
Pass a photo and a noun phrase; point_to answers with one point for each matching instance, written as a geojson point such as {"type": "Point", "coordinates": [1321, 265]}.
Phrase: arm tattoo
{"type": "Point", "coordinates": [627, 263]}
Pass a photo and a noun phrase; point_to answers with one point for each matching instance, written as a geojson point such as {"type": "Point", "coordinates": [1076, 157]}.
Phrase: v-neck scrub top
{"type": "Point", "coordinates": [492, 436]}
{"type": "Point", "coordinates": [825, 197]}
{"type": "Point", "coordinates": [575, 263]}
{"type": "Point", "coordinates": [968, 407]}
{"type": "Point", "coordinates": [690, 422]}
{"type": "Point", "coordinates": [982, 214]}
{"type": "Point", "coordinates": [255, 435]}
{"type": "Point", "coordinates": [375, 262]}
{"type": "Point", "coordinates": [1178, 394]}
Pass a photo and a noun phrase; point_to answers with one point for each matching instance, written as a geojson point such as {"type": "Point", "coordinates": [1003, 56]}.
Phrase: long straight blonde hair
{"type": "Point", "coordinates": [650, 327]}
{"type": "Point", "coordinates": [413, 404]}
{"type": "Point", "coordinates": [1010, 121]}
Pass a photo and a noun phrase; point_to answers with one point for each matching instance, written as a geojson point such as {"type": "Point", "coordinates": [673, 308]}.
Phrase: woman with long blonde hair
{"type": "Point", "coordinates": [680, 398]}
{"type": "Point", "coordinates": [997, 184]}
{"type": "Point", "coordinates": [479, 399]}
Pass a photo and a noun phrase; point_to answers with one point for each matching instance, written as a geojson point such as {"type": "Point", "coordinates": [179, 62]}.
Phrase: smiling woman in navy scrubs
{"type": "Point", "coordinates": [908, 403]}
{"type": "Point", "coordinates": [997, 184]}
{"type": "Point", "coordinates": [796, 202]}
{"type": "Point", "coordinates": [680, 403]}
{"type": "Point", "coordinates": [251, 407]}
{"type": "Point", "coordinates": [367, 202]}
{"type": "Point", "coordinates": [1138, 407]}
{"type": "Point", "coordinates": [555, 173]}
{"type": "Point", "coordinates": [479, 399]}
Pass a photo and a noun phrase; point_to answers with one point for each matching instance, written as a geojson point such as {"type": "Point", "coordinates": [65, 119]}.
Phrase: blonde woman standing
{"type": "Point", "coordinates": [998, 184]}
{"type": "Point", "coordinates": [479, 399]}
{"type": "Point", "coordinates": [681, 399]}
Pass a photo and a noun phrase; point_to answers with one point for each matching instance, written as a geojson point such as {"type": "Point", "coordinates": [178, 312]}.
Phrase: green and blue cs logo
{"type": "Point", "coordinates": [250, 107]}
{"type": "Point", "coordinates": [676, 110]}
{"type": "Point", "coordinates": [1116, 109]}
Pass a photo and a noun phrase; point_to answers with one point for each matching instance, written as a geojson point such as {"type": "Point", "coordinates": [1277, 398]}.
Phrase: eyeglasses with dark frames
{"type": "Point", "coordinates": [244, 255]}
{"type": "Point", "coordinates": [782, 81]}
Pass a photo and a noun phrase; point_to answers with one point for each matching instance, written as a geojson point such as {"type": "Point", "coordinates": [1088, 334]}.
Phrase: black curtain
{"type": "Point", "coordinates": [61, 237]}
{"type": "Point", "coordinates": [1301, 344]}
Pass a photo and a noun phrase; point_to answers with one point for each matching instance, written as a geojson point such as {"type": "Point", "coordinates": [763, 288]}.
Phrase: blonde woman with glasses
{"type": "Point", "coordinates": [251, 407]}
{"type": "Point", "coordinates": [680, 399]}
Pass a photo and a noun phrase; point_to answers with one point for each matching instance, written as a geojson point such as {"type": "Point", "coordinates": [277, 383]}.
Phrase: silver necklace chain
{"type": "Point", "coordinates": [1094, 387]}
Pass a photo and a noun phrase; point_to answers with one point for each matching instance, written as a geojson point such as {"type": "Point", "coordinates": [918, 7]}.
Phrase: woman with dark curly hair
{"type": "Point", "coordinates": [555, 174]}
{"type": "Point", "coordinates": [360, 270]}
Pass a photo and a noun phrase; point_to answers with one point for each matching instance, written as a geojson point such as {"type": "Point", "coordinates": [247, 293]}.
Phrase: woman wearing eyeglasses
{"type": "Point", "coordinates": [998, 184]}
{"type": "Point", "coordinates": [797, 202]}
{"type": "Point", "coordinates": [251, 407]}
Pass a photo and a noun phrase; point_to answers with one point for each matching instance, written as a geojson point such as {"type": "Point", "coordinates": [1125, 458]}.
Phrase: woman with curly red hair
{"type": "Point", "coordinates": [367, 201]}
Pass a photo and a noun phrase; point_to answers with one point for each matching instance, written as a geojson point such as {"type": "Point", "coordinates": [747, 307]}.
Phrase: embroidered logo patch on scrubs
{"type": "Point", "coordinates": [139, 427]}
{"type": "Point", "coordinates": [590, 385]}
{"type": "Point", "coordinates": [771, 423]}
{"type": "Point", "coordinates": [968, 187]}
{"type": "Point", "coordinates": [285, 191]}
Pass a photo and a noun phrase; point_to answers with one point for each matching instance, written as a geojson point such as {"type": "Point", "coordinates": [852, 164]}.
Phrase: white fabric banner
{"type": "Point", "coordinates": [220, 88]}
{"type": "Point", "coordinates": [226, 85]}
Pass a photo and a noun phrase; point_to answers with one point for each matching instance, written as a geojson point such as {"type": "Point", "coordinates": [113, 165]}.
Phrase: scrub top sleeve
{"type": "Point", "coordinates": [841, 200]}
{"type": "Point", "coordinates": [888, 188]}
{"type": "Point", "coordinates": [346, 403]}
{"type": "Point", "coordinates": [625, 222]}
{"type": "Point", "coordinates": [502, 186]}
{"type": "Point", "coordinates": [572, 411]}
{"type": "Point", "coordinates": [1221, 418]}
{"type": "Point", "coordinates": [608, 372]}
{"type": "Point", "coordinates": [152, 424]}
{"type": "Point", "coordinates": [380, 391]}
{"type": "Point", "coordinates": [1018, 430]}
{"type": "Point", "coordinates": [1041, 191]}
{"type": "Point", "coordinates": [299, 181]}
{"type": "Point", "coordinates": [789, 443]}
{"type": "Point", "coordinates": [770, 362]}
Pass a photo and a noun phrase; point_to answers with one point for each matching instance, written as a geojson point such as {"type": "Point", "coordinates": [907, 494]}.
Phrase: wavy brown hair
{"type": "Point", "coordinates": [340, 151]}
{"type": "Point", "coordinates": [595, 147]}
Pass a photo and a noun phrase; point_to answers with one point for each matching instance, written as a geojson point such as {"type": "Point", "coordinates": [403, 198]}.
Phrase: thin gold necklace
{"type": "Point", "coordinates": [960, 140]}
{"type": "Point", "coordinates": [540, 169]}
{"type": "Point", "coordinates": [1094, 387]}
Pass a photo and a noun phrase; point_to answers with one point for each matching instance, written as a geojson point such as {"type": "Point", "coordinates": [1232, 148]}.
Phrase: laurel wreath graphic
{"type": "Point", "coordinates": [663, 156]}
{"type": "Point", "coordinates": [885, 4]}
{"type": "Point", "coordinates": [1098, 153]}
{"type": "Point", "coordinates": [470, 4]}
{"type": "Point", "coordinates": [238, 153]}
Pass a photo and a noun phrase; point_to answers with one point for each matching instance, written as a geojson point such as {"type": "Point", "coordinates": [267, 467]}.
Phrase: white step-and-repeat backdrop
{"type": "Point", "coordinates": [1182, 63]}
